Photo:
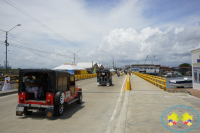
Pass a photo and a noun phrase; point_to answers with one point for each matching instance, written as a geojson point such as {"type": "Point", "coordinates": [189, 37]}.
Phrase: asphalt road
{"type": "Point", "coordinates": [97, 114]}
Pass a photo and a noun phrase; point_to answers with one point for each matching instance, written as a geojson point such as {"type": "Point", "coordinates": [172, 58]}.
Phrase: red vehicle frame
{"type": "Point", "coordinates": [61, 91]}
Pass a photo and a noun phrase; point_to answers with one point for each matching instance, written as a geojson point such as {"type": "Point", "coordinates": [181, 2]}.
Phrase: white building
{"type": "Point", "coordinates": [145, 68]}
{"type": "Point", "coordinates": [196, 69]}
{"type": "Point", "coordinates": [90, 66]}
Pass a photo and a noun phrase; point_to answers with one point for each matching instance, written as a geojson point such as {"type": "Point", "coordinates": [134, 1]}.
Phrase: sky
{"type": "Point", "coordinates": [53, 32]}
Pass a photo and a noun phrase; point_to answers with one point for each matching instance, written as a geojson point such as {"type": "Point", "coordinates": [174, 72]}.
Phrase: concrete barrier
{"type": "Point", "coordinates": [128, 83]}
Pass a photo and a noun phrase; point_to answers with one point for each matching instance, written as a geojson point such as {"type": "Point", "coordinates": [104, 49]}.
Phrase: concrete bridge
{"type": "Point", "coordinates": [104, 110]}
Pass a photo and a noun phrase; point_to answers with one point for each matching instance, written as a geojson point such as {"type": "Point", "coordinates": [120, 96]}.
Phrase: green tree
{"type": "Point", "coordinates": [184, 65]}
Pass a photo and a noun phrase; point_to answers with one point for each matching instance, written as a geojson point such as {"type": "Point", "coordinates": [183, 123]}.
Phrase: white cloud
{"type": "Point", "coordinates": [120, 31]}
{"type": "Point", "coordinates": [169, 47]}
{"type": "Point", "coordinates": [177, 30]}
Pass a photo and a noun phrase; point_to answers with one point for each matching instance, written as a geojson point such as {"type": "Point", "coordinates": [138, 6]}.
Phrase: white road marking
{"type": "Point", "coordinates": [115, 110]}
{"type": "Point", "coordinates": [8, 95]}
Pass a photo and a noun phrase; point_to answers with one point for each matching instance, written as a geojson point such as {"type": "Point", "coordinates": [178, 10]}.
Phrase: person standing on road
{"type": "Point", "coordinates": [6, 85]}
{"type": "Point", "coordinates": [130, 73]}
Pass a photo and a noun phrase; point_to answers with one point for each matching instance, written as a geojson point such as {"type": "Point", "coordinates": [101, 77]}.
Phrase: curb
{"type": "Point", "coordinates": [121, 124]}
{"type": "Point", "coordinates": [4, 93]}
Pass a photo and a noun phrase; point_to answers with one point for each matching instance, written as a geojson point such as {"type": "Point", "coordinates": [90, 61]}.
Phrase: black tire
{"type": "Point", "coordinates": [58, 110]}
{"type": "Point", "coordinates": [80, 98]}
{"type": "Point", "coordinates": [26, 112]}
{"type": "Point", "coordinates": [59, 98]}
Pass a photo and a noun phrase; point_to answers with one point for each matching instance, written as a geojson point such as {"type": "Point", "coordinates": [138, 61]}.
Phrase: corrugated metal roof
{"type": "Point", "coordinates": [68, 66]}
{"type": "Point", "coordinates": [86, 65]}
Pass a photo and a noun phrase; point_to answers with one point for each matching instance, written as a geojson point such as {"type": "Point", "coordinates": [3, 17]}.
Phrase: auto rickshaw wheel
{"type": "Point", "coordinates": [58, 110]}
{"type": "Point", "coordinates": [80, 98]}
{"type": "Point", "coordinates": [26, 112]}
{"type": "Point", "coordinates": [59, 98]}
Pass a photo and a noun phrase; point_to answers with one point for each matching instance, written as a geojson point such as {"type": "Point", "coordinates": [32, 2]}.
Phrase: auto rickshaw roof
{"type": "Point", "coordinates": [24, 71]}
{"type": "Point", "coordinates": [103, 71]}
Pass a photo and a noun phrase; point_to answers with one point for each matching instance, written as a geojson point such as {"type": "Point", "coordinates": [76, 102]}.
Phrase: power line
{"type": "Point", "coordinates": [37, 21]}
{"type": "Point", "coordinates": [35, 45]}
{"type": "Point", "coordinates": [25, 61]}
{"type": "Point", "coordinates": [38, 50]}
{"type": "Point", "coordinates": [31, 62]}
{"type": "Point", "coordinates": [2, 30]}
{"type": "Point", "coordinates": [36, 54]}
{"type": "Point", "coordinates": [30, 49]}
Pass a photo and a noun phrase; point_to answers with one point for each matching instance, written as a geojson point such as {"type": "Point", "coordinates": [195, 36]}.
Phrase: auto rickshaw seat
{"type": "Point", "coordinates": [23, 86]}
{"type": "Point", "coordinates": [29, 95]}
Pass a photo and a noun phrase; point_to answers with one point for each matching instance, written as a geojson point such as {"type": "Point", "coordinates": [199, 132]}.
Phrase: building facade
{"type": "Point", "coordinates": [144, 68]}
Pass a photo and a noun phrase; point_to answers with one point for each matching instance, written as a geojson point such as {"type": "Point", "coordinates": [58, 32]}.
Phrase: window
{"type": "Point", "coordinates": [72, 81]}
{"type": "Point", "coordinates": [64, 83]}
{"type": "Point", "coordinates": [60, 80]}
{"type": "Point", "coordinates": [72, 84]}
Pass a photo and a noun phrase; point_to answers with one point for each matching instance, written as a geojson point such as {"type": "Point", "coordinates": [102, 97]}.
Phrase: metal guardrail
{"type": "Point", "coordinates": [14, 79]}
{"type": "Point", "coordinates": [155, 80]}
{"type": "Point", "coordinates": [85, 76]}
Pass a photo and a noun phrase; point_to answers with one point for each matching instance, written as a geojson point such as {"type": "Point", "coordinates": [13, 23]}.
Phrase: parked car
{"type": "Point", "coordinates": [104, 77]}
{"type": "Point", "coordinates": [60, 89]}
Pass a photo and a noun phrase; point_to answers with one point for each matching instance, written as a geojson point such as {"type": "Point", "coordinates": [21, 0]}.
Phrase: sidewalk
{"type": "Point", "coordinates": [190, 91]}
{"type": "Point", "coordinates": [147, 103]}
{"type": "Point", "coordinates": [8, 92]}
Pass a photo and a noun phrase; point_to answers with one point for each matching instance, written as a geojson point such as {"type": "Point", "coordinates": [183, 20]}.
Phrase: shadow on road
{"type": "Point", "coordinates": [69, 110]}
{"type": "Point", "coordinates": [104, 85]}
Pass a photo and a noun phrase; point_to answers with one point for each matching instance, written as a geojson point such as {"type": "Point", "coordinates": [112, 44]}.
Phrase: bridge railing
{"type": "Point", "coordinates": [14, 79]}
{"type": "Point", "coordinates": [155, 80]}
{"type": "Point", "coordinates": [85, 76]}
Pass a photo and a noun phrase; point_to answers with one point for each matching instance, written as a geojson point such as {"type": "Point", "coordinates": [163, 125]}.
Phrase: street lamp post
{"type": "Point", "coordinates": [74, 54]}
{"type": "Point", "coordinates": [7, 44]}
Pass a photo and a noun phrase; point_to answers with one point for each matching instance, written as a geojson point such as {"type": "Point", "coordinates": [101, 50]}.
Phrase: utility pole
{"type": "Point", "coordinates": [113, 62]}
{"type": "Point", "coordinates": [74, 58]}
{"type": "Point", "coordinates": [146, 59]}
{"type": "Point", "coordinates": [74, 55]}
{"type": "Point", "coordinates": [153, 59]}
{"type": "Point", "coordinates": [7, 44]}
